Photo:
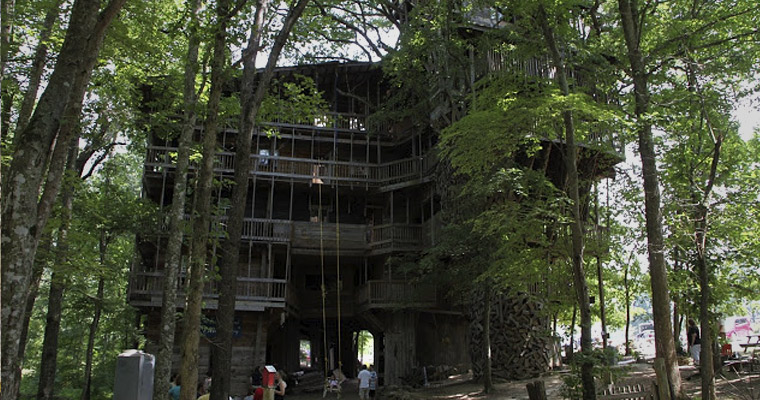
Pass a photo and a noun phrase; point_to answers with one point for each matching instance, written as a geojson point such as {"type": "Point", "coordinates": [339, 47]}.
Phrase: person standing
{"type": "Point", "coordinates": [364, 378]}
{"type": "Point", "coordinates": [280, 385]}
{"type": "Point", "coordinates": [372, 381]}
{"type": "Point", "coordinates": [174, 391]}
{"type": "Point", "coordinates": [694, 342]}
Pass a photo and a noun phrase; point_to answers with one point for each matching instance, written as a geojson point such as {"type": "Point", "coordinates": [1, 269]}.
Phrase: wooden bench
{"type": "Point", "coordinates": [629, 389]}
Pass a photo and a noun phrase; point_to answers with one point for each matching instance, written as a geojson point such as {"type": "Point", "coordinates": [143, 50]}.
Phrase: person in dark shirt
{"type": "Point", "coordinates": [256, 377]}
{"type": "Point", "coordinates": [694, 343]}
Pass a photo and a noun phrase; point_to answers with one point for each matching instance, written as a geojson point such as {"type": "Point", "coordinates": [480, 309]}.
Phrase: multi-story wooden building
{"type": "Point", "coordinates": [334, 198]}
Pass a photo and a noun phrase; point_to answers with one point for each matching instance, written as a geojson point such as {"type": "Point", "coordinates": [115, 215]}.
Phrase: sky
{"type": "Point", "coordinates": [749, 119]}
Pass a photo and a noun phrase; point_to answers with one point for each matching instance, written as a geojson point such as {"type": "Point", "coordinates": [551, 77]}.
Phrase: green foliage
{"type": "Point", "coordinates": [297, 101]}
{"type": "Point", "coordinates": [604, 370]}
{"type": "Point", "coordinates": [108, 208]}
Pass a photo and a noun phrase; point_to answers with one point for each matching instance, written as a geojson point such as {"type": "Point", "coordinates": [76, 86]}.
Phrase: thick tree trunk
{"type": "Point", "coordinates": [176, 218]}
{"type": "Point", "coordinates": [250, 103]}
{"type": "Point", "coordinates": [664, 343]}
{"type": "Point", "coordinates": [50, 343]}
{"type": "Point", "coordinates": [83, 40]}
{"type": "Point", "coordinates": [706, 353]}
{"type": "Point", "coordinates": [576, 226]}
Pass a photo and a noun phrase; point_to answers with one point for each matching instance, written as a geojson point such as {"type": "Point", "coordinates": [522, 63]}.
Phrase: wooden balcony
{"type": "Point", "coordinates": [331, 121]}
{"type": "Point", "coordinates": [309, 237]}
{"type": "Point", "coordinates": [253, 294]}
{"type": "Point", "coordinates": [397, 237]}
{"type": "Point", "coordinates": [375, 175]}
{"type": "Point", "coordinates": [396, 294]}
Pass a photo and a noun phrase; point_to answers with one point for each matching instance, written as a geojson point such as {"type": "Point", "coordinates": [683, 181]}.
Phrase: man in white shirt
{"type": "Point", "coordinates": [364, 377]}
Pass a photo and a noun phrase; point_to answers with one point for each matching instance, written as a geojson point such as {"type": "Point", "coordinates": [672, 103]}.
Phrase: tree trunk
{"type": "Point", "coordinates": [599, 277]}
{"type": "Point", "coordinates": [57, 287]}
{"type": "Point", "coordinates": [487, 377]}
{"type": "Point", "coordinates": [221, 357]}
{"type": "Point", "coordinates": [576, 226]}
{"type": "Point", "coordinates": [706, 353]}
{"type": "Point", "coordinates": [250, 102]}
{"type": "Point", "coordinates": [84, 37]}
{"type": "Point", "coordinates": [86, 388]}
{"type": "Point", "coordinates": [676, 309]}
{"type": "Point", "coordinates": [627, 287]}
{"type": "Point", "coordinates": [199, 249]}
{"type": "Point", "coordinates": [572, 332]}
{"type": "Point", "coordinates": [50, 342]}
{"type": "Point", "coordinates": [38, 66]}
{"type": "Point", "coordinates": [701, 214]}
{"type": "Point", "coordinates": [34, 286]}
{"type": "Point", "coordinates": [7, 16]}
{"type": "Point", "coordinates": [176, 218]}
{"type": "Point", "coordinates": [665, 345]}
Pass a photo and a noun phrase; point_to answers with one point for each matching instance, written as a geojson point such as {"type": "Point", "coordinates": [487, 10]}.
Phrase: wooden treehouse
{"type": "Point", "coordinates": [333, 192]}
{"type": "Point", "coordinates": [333, 197]}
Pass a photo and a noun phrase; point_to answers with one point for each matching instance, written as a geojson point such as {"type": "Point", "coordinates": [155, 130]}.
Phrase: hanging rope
{"type": "Point", "coordinates": [322, 263]}
{"type": "Point", "coordinates": [337, 261]}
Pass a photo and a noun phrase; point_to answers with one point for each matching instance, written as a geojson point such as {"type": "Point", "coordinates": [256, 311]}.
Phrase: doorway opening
{"type": "Point", "coordinates": [304, 353]}
{"type": "Point", "coordinates": [365, 344]}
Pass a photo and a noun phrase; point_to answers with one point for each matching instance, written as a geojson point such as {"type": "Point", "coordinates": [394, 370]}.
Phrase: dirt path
{"type": "Point", "coordinates": [729, 387]}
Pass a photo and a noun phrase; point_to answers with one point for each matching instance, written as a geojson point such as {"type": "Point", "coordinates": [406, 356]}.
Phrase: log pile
{"type": "Point", "coordinates": [521, 341]}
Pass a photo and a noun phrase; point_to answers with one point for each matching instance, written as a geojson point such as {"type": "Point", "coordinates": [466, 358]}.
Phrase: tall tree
{"type": "Point", "coordinates": [576, 222]}
{"type": "Point", "coordinates": [631, 19]}
{"type": "Point", "coordinates": [252, 93]}
{"type": "Point", "coordinates": [84, 36]}
{"type": "Point", "coordinates": [177, 213]}
{"type": "Point", "coordinates": [202, 205]}
{"type": "Point", "coordinates": [57, 285]}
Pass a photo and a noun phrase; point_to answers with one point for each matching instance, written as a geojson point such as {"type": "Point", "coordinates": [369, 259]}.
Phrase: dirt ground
{"type": "Point", "coordinates": [729, 386]}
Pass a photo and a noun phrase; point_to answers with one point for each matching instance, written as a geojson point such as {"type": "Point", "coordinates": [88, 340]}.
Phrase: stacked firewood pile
{"type": "Point", "coordinates": [521, 341]}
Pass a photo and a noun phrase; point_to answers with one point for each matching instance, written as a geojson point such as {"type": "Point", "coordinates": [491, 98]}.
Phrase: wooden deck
{"type": "Point", "coordinates": [253, 294]}
{"type": "Point", "coordinates": [305, 236]}
{"type": "Point", "coordinates": [257, 294]}
{"type": "Point", "coordinates": [396, 294]}
{"type": "Point", "coordinates": [375, 175]}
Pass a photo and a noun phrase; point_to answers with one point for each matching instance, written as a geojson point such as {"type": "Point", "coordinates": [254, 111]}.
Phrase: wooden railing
{"type": "Point", "coordinates": [330, 120]}
{"type": "Point", "coordinates": [396, 294]}
{"type": "Point", "coordinates": [270, 230]}
{"type": "Point", "coordinates": [328, 171]}
{"type": "Point", "coordinates": [308, 234]}
{"type": "Point", "coordinates": [255, 229]}
{"type": "Point", "coordinates": [397, 236]}
{"type": "Point", "coordinates": [150, 284]}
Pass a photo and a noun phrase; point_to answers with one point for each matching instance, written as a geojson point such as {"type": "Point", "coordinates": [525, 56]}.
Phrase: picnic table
{"type": "Point", "coordinates": [750, 362]}
{"type": "Point", "coordinates": [750, 344]}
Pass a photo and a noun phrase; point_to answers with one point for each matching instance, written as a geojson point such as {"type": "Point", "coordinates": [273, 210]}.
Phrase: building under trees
{"type": "Point", "coordinates": [336, 198]}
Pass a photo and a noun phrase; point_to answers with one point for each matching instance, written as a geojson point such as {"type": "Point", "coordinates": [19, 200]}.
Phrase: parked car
{"type": "Point", "coordinates": [737, 327]}
{"type": "Point", "coordinates": [644, 342]}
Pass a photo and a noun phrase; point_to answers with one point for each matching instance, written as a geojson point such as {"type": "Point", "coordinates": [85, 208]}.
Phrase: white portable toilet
{"type": "Point", "coordinates": [134, 376]}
